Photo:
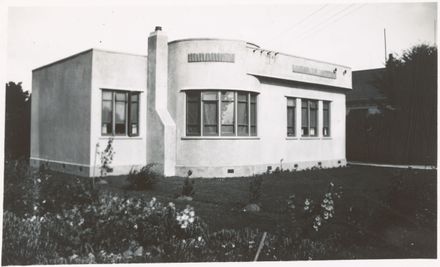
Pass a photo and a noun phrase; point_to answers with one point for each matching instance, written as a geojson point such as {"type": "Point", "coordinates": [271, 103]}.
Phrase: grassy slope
{"type": "Point", "coordinates": [384, 213]}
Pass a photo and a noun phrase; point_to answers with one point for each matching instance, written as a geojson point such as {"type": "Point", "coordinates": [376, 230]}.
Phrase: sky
{"type": "Point", "coordinates": [349, 33]}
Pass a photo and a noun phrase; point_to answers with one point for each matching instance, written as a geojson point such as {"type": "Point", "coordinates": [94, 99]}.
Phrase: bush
{"type": "Point", "coordinates": [188, 188]}
{"type": "Point", "coordinates": [144, 179]}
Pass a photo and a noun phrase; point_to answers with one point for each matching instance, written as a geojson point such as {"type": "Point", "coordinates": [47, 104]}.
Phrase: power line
{"type": "Point", "coordinates": [301, 21]}
{"type": "Point", "coordinates": [337, 19]}
{"type": "Point", "coordinates": [324, 23]}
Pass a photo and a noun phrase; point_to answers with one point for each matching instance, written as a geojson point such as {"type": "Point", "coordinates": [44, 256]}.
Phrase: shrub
{"type": "Point", "coordinates": [188, 188]}
{"type": "Point", "coordinates": [107, 158]}
{"type": "Point", "coordinates": [255, 189]}
{"type": "Point", "coordinates": [144, 179]}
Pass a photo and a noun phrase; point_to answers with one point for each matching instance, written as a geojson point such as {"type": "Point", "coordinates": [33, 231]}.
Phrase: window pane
{"type": "Point", "coordinates": [304, 117]}
{"type": "Point", "coordinates": [291, 102]}
{"type": "Point", "coordinates": [193, 114]}
{"type": "Point", "coordinates": [106, 111]}
{"type": "Point", "coordinates": [290, 121]}
{"type": "Point", "coordinates": [209, 96]}
{"type": "Point", "coordinates": [243, 130]}
{"type": "Point", "coordinates": [227, 96]}
{"type": "Point", "coordinates": [121, 96]}
{"type": "Point", "coordinates": [227, 112]}
{"type": "Point", "coordinates": [210, 118]}
{"type": "Point", "coordinates": [134, 129]}
{"type": "Point", "coordinates": [120, 112]}
{"type": "Point", "coordinates": [134, 113]}
{"type": "Point", "coordinates": [326, 118]}
{"type": "Point", "coordinates": [253, 98]}
{"type": "Point", "coordinates": [193, 96]}
{"type": "Point", "coordinates": [134, 97]}
{"type": "Point", "coordinates": [313, 104]}
{"type": "Point", "coordinates": [242, 97]}
{"type": "Point", "coordinates": [253, 130]}
{"type": "Point", "coordinates": [228, 130]}
{"type": "Point", "coordinates": [106, 128]}
{"type": "Point", "coordinates": [119, 128]}
{"type": "Point", "coordinates": [106, 95]}
{"type": "Point", "coordinates": [242, 114]}
{"type": "Point", "coordinates": [253, 118]}
{"type": "Point", "coordinates": [313, 117]}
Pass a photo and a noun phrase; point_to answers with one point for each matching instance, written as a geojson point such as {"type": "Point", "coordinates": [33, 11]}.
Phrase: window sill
{"type": "Point", "coordinates": [327, 138]}
{"type": "Point", "coordinates": [119, 137]}
{"type": "Point", "coordinates": [310, 138]}
{"type": "Point", "coordinates": [291, 138]}
{"type": "Point", "coordinates": [220, 138]}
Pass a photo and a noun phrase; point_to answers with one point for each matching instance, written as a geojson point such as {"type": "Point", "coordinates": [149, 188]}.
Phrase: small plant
{"type": "Point", "coordinates": [144, 179]}
{"type": "Point", "coordinates": [107, 158]}
{"type": "Point", "coordinates": [188, 186]}
{"type": "Point", "coordinates": [255, 189]}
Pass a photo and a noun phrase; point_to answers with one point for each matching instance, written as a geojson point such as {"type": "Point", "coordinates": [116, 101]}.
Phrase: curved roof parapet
{"type": "Point", "coordinates": [205, 39]}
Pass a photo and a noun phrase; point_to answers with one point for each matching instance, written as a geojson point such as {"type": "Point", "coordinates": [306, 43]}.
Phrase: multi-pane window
{"type": "Point", "coordinates": [309, 117]}
{"type": "Point", "coordinates": [221, 113]}
{"type": "Point", "coordinates": [326, 118]}
{"type": "Point", "coordinates": [120, 113]}
{"type": "Point", "coordinates": [291, 115]}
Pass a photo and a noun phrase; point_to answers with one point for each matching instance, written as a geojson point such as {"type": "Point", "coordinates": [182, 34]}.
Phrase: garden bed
{"type": "Point", "coordinates": [378, 213]}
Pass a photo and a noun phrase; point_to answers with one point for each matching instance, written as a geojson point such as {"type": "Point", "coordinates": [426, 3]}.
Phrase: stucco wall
{"type": "Point", "coordinates": [118, 71]}
{"type": "Point", "coordinates": [213, 156]}
{"type": "Point", "coordinates": [60, 126]}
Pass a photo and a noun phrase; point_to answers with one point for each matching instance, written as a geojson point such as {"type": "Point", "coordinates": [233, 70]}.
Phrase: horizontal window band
{"type": "Point", "coordinates": [185, 89]}
{"type": "Point", "coordinates": [120, 137]}
{"type": "Point", "coordinates": [220, 138]}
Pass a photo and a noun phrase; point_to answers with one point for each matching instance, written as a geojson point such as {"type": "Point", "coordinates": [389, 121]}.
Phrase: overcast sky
{"type": "Point", "coordinates": [350, 34]}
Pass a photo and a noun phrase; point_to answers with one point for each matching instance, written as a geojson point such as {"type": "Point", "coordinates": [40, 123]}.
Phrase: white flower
{"type": "Point", "coordinates": [39, 180]}
{"type": "Point", "coordinates": [331, 184]}
{"type": "Point", "coordinates": [307, 202]}
{"type": "Point", "coordinates": [35, 207]}
{"type": "Point", "coordinates": [199, 238]}
{"type": "Point", "coordinates": [135, 226]}
{"type": "Point", "coordinates": [33, 218]}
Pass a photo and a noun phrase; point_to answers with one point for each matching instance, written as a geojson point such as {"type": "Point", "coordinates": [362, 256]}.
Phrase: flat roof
{"type": "Point", "coordinates": [85, 52]}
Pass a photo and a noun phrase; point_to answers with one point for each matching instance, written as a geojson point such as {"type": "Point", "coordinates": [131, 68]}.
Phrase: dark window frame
{"type": "Point", "coordinates": [326, 121]}
{"type": "Point", "coordinates": [291, 131]}
{"type": "Point", "coordinates": [306, 126]}
{"type": "Point", "coordinates": [127, 112]}
{"type": "Point", "coordinates": [251, 125]}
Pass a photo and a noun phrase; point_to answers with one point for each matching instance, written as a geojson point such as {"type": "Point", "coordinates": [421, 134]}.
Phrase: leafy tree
{"type": "Point", "coordinates": [17, 122]}
{"type": "Point", "coordinates": [406, 132]}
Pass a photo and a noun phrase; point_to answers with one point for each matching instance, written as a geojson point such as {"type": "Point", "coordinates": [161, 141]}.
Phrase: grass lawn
{"type": "Point", "coordinates": [383, 212]}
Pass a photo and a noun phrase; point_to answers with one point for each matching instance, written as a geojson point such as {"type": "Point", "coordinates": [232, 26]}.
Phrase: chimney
{"type": "Point", "coordinates": [161, 129]}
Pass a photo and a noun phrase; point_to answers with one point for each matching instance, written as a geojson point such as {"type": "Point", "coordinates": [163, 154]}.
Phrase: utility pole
{"type": "Point", "coordinates": [385, 41]}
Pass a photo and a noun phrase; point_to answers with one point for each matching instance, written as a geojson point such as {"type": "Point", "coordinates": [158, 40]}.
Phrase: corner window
{"type": "Point", "coordinates": [326, 118]}
{"type": "Point", "coordinates": [221, 113]}
{"type": "Point", "coordinates": [291, 116]}
{"type": "Point", "coordinates": [120, 113]}
{"type": "Point", "coordinates": [309, 117]}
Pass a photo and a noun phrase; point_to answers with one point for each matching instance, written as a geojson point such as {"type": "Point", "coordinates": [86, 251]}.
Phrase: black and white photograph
{"type": "Point", "coordinates": [219, 131]}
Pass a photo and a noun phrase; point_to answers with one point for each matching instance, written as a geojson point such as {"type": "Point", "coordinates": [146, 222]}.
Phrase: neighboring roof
{"type": "Point", "coordinates": [364, 85]}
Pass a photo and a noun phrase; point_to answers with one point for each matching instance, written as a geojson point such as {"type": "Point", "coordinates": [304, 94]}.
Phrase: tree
{"type": "Point", "coordinates": [17, 122]}
{"type": "Point", "coordinates": [410, 85]}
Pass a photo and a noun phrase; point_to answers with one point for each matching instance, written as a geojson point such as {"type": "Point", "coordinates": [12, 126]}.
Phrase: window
{"type": "Point", "coordinates": [291, 116]}
{"type": "Point", "coordinates": [120, 113]}
{"type": "Point", "coordinates": [309, 117]}
{"type": "Point", "coordinates": [221, 113]}
{"type": "Point", "coordinates": [326, 118]}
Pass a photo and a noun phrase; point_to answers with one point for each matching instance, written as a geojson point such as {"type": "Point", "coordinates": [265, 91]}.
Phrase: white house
{"type": "Point", "coordinates": [216, 107]}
